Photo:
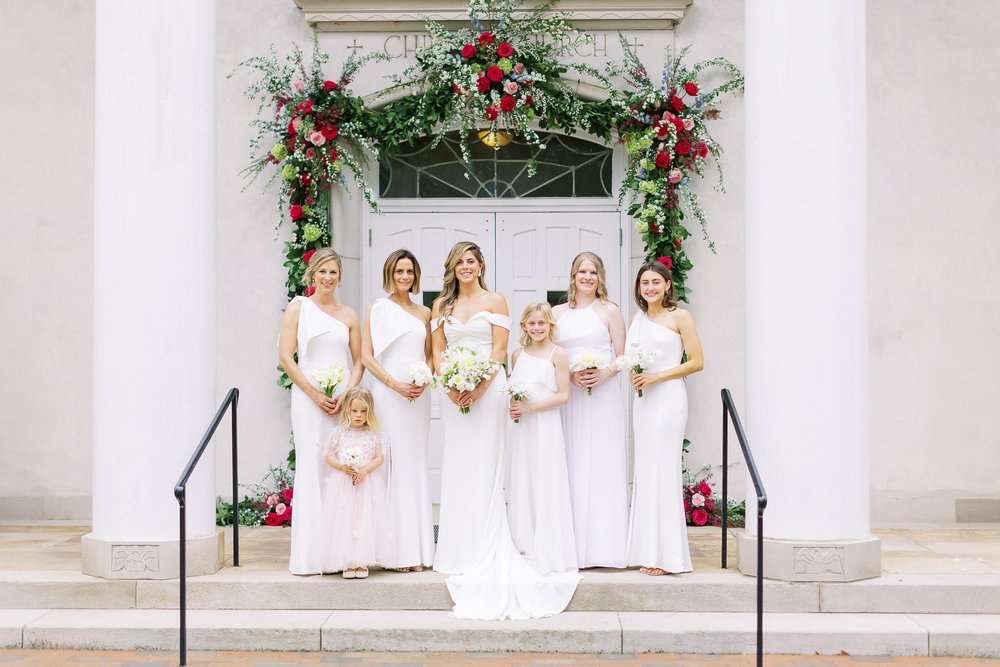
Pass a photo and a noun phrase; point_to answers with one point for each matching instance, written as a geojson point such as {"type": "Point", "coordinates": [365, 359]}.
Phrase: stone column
{"type": "Point", "coordinates": [807, 289]}
{"type": "Point", "coordinates": [154, 286]}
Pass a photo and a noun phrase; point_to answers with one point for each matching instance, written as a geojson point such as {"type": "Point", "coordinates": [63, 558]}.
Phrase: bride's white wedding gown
{"type": "Point", "coordinates": [491, 579]}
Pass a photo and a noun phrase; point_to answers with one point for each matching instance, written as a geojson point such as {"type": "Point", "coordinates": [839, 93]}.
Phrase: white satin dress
{"type": "Point", "coordinates": [657, 535]}
{"type": "Point", "coordinates": [322, 340]}
{"type": "Point", "coordinates": [491, 579]}
{"type": "Point", "coordinates": [596, 448]}
{"type": "Point", "coordinates": [398, 340]}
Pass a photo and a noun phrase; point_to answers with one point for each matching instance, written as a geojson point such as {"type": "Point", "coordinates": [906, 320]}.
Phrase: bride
{"type": "Point", "coordinates": [492, 580]}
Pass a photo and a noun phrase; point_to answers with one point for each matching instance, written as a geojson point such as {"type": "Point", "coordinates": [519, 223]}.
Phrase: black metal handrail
{"type": "Point", "coordinates": [729, 410]}
{"type": "Point", "coordinates": [180, 492]}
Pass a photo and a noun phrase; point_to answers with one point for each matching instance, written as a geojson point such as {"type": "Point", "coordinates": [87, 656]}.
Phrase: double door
{"type": "Point", "coordinates": [527, 253]}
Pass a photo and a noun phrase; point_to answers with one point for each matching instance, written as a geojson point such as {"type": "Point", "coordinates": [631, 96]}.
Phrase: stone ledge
{"type": "Point", "coordinates": [972, 635]}
{"type": "Point", "coordinates": [60, 589]}
{"type": "Point", "coordinates": [151, 559]}
{"type": "Point", "coordinates": [915, 594]}
{"type": "Point", "coordinates": [810, 560]}
{"type": "Point", "coordinates": [12, 622]}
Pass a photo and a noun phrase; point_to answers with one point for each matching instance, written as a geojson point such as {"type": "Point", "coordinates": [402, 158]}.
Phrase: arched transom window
{"type": "Point", "coordinates": [567, 167]}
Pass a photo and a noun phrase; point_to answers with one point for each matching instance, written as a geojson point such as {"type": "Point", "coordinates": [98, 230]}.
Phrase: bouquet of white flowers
{"type": "Point", "coordinates": [351, 457]}
{"type": "Point", "coordinates": [517, 392]}
{"type": "Point", "coordinates": [638, 357]}
{"type": "Point", "coordinates": [585, 360]}
{"type": "Point", "coordinates": [463, 369]}
{"type": "Point", "coordinates": [328, 377]}
{"type": "Point", "coordinates": [419, 373]}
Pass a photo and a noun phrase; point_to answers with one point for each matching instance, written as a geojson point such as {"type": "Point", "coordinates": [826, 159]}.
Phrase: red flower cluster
{"type": "Point", "coordinates": [509, 84]}
{"type": "Point", "coordinates": [700, 511]}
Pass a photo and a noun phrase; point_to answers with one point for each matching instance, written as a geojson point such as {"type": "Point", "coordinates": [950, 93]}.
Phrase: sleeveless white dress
{"type": "Point", "coordinates": [492, 580]}
{"type": "Point", "coordinates": [538, 505]}
{"type": "Point", "coordinates": [657, 535]}
{"type": "Point", "coordinates": [322, 340]}
{"type": "Point", "coordinates": [596, 448]}
{"type": "Point", "coordinates": [398, 341]}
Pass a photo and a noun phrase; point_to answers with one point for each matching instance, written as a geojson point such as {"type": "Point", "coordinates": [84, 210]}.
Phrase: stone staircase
{"type": "Point", "coordinates": [612, 612]}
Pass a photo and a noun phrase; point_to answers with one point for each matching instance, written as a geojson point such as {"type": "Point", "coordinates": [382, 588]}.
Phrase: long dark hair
{"type": "Point", "coordinates": [669, 300]}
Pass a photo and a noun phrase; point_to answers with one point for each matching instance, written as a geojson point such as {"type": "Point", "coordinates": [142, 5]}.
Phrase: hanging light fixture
{"type": "Point", "coordinates": [494, 139]}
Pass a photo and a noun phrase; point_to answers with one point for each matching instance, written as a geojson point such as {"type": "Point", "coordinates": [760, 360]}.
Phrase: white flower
{"type": "Point", "coordinates": [351, 457]}
{"type": "Point", "coordinates": [517, 391]}
{"type": "Point", "coordinates": [419, 374]}
{"type": "Point", "coordinates": [328, 377]}
{"type": "Point", "coordinates": [463, 369]}
{"type": "Point", "coordinates": [697, 500]}
{"type": "Point", "coordinates": [587, 358]}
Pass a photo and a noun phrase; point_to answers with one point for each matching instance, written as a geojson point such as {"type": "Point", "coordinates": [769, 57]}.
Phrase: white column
{"type": "Point", "coordinates": [807, 288]}
{"type": "Point", "coordinates": [154, 285]}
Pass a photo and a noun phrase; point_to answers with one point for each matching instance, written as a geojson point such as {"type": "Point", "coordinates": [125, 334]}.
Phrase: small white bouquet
{"type": "Point", "coordinates": [463, 369]}
{"type": "Point", "coordinates": [351, 457]}
{"type": "Point", "coordinates": [419, 374]}
{"type": "Point", "coordinates": [638, 357]}
{"type": "Point", "coordinates": [328, 377]}
{"type": "Point", "coordinates": [517, 392]}
{"type": "Point", "coordinates": [587, 359]}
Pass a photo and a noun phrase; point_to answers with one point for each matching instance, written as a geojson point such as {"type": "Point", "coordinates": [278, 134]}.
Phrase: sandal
{"type": "Point", "coordinates": [349, 574]}
{"type": "Point", "coordinates": [417, 568]}
{"type": "Point", "coordinates": [655, 571]}
{"type": "Point", "coordinates": [361, 573]}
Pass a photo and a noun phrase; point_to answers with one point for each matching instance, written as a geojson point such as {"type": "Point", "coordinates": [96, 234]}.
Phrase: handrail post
{"type": "Point", "coordinates": [760, 585]}
{"type": "Point", "coordinates": [725, 481]}
{"type": "Point", "coordinates": [236, 498]}
{"type": "Point", "coordinates": [182, 574]}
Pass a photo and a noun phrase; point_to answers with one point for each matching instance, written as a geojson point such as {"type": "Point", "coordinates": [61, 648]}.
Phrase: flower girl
{"type": "Point", "coordinates": [354, 496]}
{"type": "Point", "coordinates": [539, 511]}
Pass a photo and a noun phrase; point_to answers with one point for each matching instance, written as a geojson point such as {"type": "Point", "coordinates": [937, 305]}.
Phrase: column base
{"type": "Point", "coordinates": [793, 560]}
{"type": "Point", "coordinates": [130, 559]}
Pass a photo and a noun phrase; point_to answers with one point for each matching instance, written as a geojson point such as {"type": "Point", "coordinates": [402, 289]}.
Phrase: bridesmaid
{"type": "Point", "coordinates": [594, 423]}
{"type": "Point", "coordinates": [657, 537]}
{"type": "Point", "coordinates": [321, 331]}
{"type": "Point", "coordinates": [397, 335]}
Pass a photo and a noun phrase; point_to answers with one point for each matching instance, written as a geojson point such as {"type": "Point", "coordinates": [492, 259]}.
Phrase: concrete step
{"type": "Point", "coordinates": [571, 632]}
{"type": "Point", "coordinates": [600, 590]}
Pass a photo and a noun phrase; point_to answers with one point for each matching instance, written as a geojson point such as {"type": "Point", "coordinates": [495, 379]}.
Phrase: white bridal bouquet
{"type": "Point", "coordinates": [585, 360]}
{"type": "Point", "coordinates": [517, 392]}
{"type": "Point", "coordinates": [351, 457]}
{"type": "Point", "coordinates": [463, 369]}
{"type": "Point", "coordinates": [419, 374]}
{"type": "Point", "coordinates": [638, 357]}
{"type": "Point", "coordinates": [328, 377]}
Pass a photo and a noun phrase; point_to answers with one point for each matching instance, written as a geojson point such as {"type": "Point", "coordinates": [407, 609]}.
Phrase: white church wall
{"type": "Point", "coordinates": [932, 241]}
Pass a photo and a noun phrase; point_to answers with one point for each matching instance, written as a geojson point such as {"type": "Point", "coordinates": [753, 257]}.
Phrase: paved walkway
{"type": "Point", "coordinates": [242, 659]}
{"type": "Point", "coordinates": [914, 549]}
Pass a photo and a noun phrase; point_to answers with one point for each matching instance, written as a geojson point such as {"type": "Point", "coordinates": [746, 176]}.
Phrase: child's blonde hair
{"type": "Point", "coordinates": [546, 310]}
{"type": "Point", "coordinates": [364, 395]}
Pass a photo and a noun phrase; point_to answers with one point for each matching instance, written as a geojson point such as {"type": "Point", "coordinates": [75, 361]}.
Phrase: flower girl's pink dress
{"type": "Point", "coordinates": [355, 517]}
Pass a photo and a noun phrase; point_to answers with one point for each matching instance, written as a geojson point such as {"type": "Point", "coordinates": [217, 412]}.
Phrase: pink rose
{"type": "Point", "coordinates": [317, 138]}
{"type": "Point", "coordinates": [674, 176]}
{"type": "Point", "coordinates": [697, 500]}
{"type": "Point", "coordinates": [688, 124]}
{"type": "Point", "coordinates": [296, 123]}
{"type": "Point", "coordinates": [272, 499]}
{"type": "Point", "coordinates": [510, 87]}
{"type": "Point", "coordinates": [299, 86]}
{"type": "Point", "coordinates": [518, 68]}
{"type": "Point", "coordinates": [280, 509]}
{"type": "Point", "coordinates": [699, 516]}
{"type": "Point", "coordinates": [310, 153]}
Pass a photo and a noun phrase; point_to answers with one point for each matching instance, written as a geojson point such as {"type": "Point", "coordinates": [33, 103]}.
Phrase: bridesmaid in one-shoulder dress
{"type": "Point", "coordinates": [594, 421]}
{"type": "Point", "coordinates": [396, 336]}
{"type": "Point", "coordinates": [657, 539]}
{"type": "Point", "coordinates": [322, 331]}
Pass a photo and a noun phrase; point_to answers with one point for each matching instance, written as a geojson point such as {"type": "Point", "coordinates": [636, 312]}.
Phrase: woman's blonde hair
{"type": "Point", "coordinates": [364, 395]}
{"type": "Point", "coordinates": [449, 290]}
{"type": "Point", "coordinates": [318, 258]}
{"type": "Point", "coordinates": [602, 283]}
{"type": "Point", "coordinates": [388, 284]}
{"type": "Point", "coordinates": [546, 310]}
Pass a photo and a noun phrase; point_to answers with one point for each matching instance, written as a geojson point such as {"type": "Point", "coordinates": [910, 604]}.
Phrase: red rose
{"type": "Point", "coordinates": [307, 256]}
{"type": "Point", "coordinates": [486, 38]}
{"type": "Point", "coordinates": [677, 103]}
{"type": "Point", "coordinates": [491, 113]}
{"type": "Point", "coordinates": [662, 130]}
{"type": "Point", "coordinates": [468, 51]}
{"type": "Point", "coordinates": [310, 153]}
{"type": "Point", "coordinates": [528, 101]}
{"type": "Point", "coordinates": [291, 128]}
{"type": "Point", "coordinates": [690, 88]}
{"type": "Point", "coordinates": [310, 201]}
{"type": "Point", "coordinates": [334, 155]}
{"type": "Point", "coordinates": [507, 103]}
{"type": "Point", "coordinates": [683, 147]}
{"type": "Point", "coordinates": [483, 84]}
{"type": "Point", "coordinates": [505, 50]}
{"type": "Point", "coordinates": [662, 160]}
{"type": "Point", "coordinates": [310, 290]}
{"type": "Point", "coordinates": [704, 489]}
{"type": "Point", "coordinates": [687, 506]}
{"type": "Point", "coordinates": [305, 106]}
{"type": "Point", "coordinates": [667, 262]}
{"type": "Point", "coordinates": [304, 179]}
{"type": "Point", "coordinates": [677, 244]}
{"type": "Point", "coordinates": [295, 211]}
{"type": "Point", "coordinates": [272, 519]}
{"type": "Point", "coordinates": [286, 494]}
{"type": "Point", "coordinates": [678, 124]}
{"type": "Point", "coordinates": [700, 149]}
{"type": "Point", "coordinates": [709, 504]}
{"type": "Point", "coordinates": [287, 516]}
{"type": "Point", "coordinates": [699, 516]}
{"type": "Point", "coordinates": [653, 229]}
{"type": "Point", "coordinates": [494, 73]}
{"type": "Point", "coordinates": [330, 132]}
{"type": "Point", "coordinates": [329, 85]}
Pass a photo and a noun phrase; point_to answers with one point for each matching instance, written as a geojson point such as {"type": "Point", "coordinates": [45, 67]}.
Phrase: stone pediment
{"type": "Point", "coordinates": [410, 15]}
